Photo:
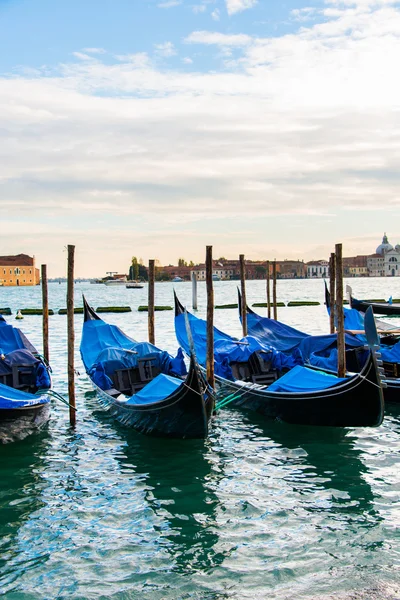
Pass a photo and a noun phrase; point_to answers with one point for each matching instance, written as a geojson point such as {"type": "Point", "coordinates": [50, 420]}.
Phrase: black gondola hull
{"type": "Point", "coordinates": [380, 308]}
{"type": "Point", "coordinates": [357, 402]}
{"type": "Point", "coordinates": [183, 414]}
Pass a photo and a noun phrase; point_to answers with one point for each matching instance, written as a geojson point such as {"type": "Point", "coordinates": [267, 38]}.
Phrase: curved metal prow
{"type": "Point", "coordinates": [248, 309]}
{"type": "Point", "coordinates": [88, 312]}
{"type": "Point", "coordinates": [179, 308]}
{"type": "Point", "coordinates": [370, 329]}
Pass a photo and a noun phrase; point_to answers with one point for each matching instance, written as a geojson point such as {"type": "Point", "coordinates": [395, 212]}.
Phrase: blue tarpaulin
{"type": "Point", "coordinates": [105, 349]}
{"type": "Point", "coordinates": [10, 398]}
{"type": "Point", "coordinates": [228, 349]}
{"type": "Point", "coordinates": [11, 338]}
{"type": "Point", "coordinates": [300, 379]}
{"type": "Point", "coordinates": [159, 388]}
{"type": "Point", "coordinates": [286, 339]}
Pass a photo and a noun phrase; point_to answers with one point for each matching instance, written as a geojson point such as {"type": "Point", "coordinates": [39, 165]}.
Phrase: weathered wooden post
{"type": "Point", "coordinates": [71, 335]}
{"type": "Point", "coordinates": [332, 290]}
{"type": "Point", "coordinates": [210, 317]}
{"type": "Point", "coordinates": [274, 290]}
{"type": "Point", "coordinates": [194, 291]}
{"type": "Point", "coordinates": [150, 307]}
{"type": "Point", "coordinates": [268, 292]}
{"type": "Point", "coordinates": [243, 311]}
{"type": "Point", "coordinates": [45, 305]}
{"type": "Point", "coordinates": [339, 312]}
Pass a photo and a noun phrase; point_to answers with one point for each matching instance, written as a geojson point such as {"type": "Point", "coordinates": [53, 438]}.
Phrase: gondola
{"type": "Point", "coordinates": [142, 386]}
{"type": "Point", "coordinates": [320, 351]}
{"type": "Point", "coordinates": [22, 374]}
{"type": "Point", "coordinates": [380, 308]}
{"type": "Point", "coordinates": [389, 347]}
{"type": "Point", "coordinates": [302, 396]}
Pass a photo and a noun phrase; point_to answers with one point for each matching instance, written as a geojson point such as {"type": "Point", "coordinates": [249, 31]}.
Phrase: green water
{"type": "Point", "coordinates": [259, 510]}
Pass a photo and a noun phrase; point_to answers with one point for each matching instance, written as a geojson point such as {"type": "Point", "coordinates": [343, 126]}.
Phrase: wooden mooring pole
{"type": "Point", "coordinates": [210, 318]}
{"type": "Point", "coordinates": [339, 312]}
{"type": "Point", "coordinates": [45, 305]}
{"type": "Point", "coordinates": [243, 311]}
{"type": "Point", "coordinates": [150, 307]}
{"type": "Point", "coordinates": [71, 335]}
{"type": "Point", "coordinates": [194, 291]}
{"type": "Point", "coordinates": [274, 290]}
{"type": "Point", "coordinates": [268, 291]}
{"type": "Point", "coordinates": [332, 290]}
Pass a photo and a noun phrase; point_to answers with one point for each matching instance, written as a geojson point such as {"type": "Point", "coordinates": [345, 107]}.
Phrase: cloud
{"type": "Point", "coordinates": [167, 49]}
{"type": "Point", "coordinates": [169, 4]}
{"type": "Point", "coordinates": [187, 61]}
{"type": "Point", "coordinates": [215, 14]}
{"type": "Point", "coordinates": [94, 50]}
{"type": "Point", "coordinates": [199, 8]}
{"type": "Point", "coordinates": [218, 39]}
{"type": "Point", "coordinates": [298, 138]}
{"type": "Point", "coordinates": [235, 6]}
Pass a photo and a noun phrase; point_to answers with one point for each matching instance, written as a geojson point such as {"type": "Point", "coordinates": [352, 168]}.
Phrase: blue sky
{"type": "Point", "coordinates": [153, 128]}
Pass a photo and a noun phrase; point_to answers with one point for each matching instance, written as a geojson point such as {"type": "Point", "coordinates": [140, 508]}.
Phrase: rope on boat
{"type": "Point", "coordinates": [55, 395]}
{"type": "Point", "coordinates": [235, 396]}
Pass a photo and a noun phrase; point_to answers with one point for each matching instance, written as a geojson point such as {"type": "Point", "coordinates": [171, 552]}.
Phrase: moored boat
{"type": "Point", "coordinates": [134, 285]}
{"type": "Point", "coordinates": [23, 374]}
{"type": "Point", "coordinates": [142, 386]}
{"type": "Point", "coordinates": [303, 396]}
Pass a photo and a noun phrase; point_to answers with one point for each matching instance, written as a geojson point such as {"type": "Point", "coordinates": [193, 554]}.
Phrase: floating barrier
{"type": "Point", "coordinates": [226, 306]}
{"type": "Point", "coordinates": [264, 304]}
{"type": "Point", "coordinates": [113, 309]}
{"type": "Point", "coordinates": [146, 308]}
{"type": "Point", "coordinates": [5, 311]}
{"type": "Point", "coordinates": [77, 311]}
{"type": "Point", "coordinates": [34, 311]}
{"type": "Point", "coordinates": [303, 303]}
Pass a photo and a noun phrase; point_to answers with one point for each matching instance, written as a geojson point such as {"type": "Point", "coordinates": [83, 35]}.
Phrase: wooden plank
{"type": "Point", "coordinates": [71, 335]}
{"type": "Point", "coordinates": [151, 301]}
{"type": "Point", "coordinates": [210, 318]}
{"type": "Point", "coordinates": [340, 313]}
{"type": "Point", "coordinates": [243, 310]}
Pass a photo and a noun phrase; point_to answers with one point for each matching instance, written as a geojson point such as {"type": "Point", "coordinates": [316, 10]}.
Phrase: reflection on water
{"type": "Point", "coordinates": [259, 510]}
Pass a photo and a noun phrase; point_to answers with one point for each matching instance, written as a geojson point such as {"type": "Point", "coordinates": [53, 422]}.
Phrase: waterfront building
{"type": "Point", "coordinates": [386, 260]}
{"type": "Point", "coordinates": [317, 269]}
{"type": "Point", "coordinates": [18, 270]}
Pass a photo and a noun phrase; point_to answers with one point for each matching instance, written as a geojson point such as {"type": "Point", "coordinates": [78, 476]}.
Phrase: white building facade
{"type": "Point", "coordinates": [318, 269]}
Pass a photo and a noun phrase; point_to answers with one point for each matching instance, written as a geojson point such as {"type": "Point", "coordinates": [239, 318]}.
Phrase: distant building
{"type": "Point", "coordinates": [317, 269]}
{"type": "Point", "coordinates": [386, 260]}
{"type": "Point", "coordinates": [355, 266]}
{"type": "Point", "coordinates": [18, 270]}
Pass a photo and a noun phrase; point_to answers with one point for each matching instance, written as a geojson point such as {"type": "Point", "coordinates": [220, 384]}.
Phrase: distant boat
{"type": "Point", "coordinates": [177, 279]}
{"type": "Point", "coordinates": [115, 282]}
{"type": "Point", "coordinates": [133, 285]}
{"type": "Point", "coordinates": [216, 278]}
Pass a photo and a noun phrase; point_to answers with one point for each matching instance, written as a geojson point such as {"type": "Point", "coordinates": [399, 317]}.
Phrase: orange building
{"type": "Point", "coordinates": [18, 270]}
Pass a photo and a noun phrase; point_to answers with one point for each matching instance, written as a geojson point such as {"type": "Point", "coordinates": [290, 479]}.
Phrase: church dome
{"type": "Point", "coordinates": [385, 246]}
{"type": "Point", "coordinates": [397, 247]}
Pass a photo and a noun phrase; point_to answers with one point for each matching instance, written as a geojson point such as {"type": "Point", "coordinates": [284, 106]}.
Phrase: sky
{"type": "Point", "coordinates": [153, 128]}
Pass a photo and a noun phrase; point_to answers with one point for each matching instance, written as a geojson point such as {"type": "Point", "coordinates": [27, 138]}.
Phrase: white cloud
{"type": "Point", "coordinates": [219, 39]}
{"type": "Point", "coordinates": [94, 50]}
{"type": "Point", "coordinates": [215, 14]}
{"type": "Point", "coordinates": [199, 8]}
{"type": "Point", "coordinates": [82, 56]}
{"type": "Point", "coordinates": [187, 60]}
{"type": "Point", "coordinates": [235, 6]}
{"type": "Point", "coordinates": [167, 49]}
{"type": "Point", "coordinates": [169, 4]}
{"type": "Point", "coordinates": [303, 14]}
{"type": "Point", "coordinates": [303, 131]}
